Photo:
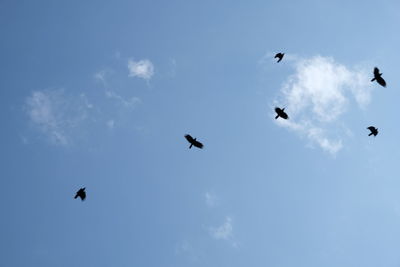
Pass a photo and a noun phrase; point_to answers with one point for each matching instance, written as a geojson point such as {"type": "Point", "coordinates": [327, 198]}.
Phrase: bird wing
{"type": "Point", "coordinates": [277, 55]}
{"type": "Point", "coordinates": [376, 71]}
{"type": "Point", "coordinates": [189, 138]}
{"type": "Point", "coordinates": [198, 144]}
{"type": "Point", "coordinates": [371, 128]}
{"type": "Point", "coordinates": [381, 81]}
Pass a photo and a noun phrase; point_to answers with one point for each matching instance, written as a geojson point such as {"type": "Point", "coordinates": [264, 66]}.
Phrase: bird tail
{"type": "Point", "coordinates": [373, 79]}
{"type": "Point", "coordinates": [277, 116]}
{"type": "Point", "coordinates": [190, 146]}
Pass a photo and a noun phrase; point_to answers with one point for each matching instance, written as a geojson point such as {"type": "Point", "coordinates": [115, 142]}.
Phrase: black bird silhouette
{"type": "Point", "coordinates": [279, 56]}
{"type": "Point", "coordinates": [281, 113]}
{"type": "Point", "coordinates": [193, 141]}
{"type": "Point", "coordinates": [374, 131]}
{"type": "Point", "coordinates": [81, 193]}
{"type": "Point", "coordinates": [378, 77]}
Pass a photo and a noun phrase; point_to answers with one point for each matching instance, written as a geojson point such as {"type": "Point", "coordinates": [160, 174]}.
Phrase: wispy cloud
{"type": "Point", "coordinates": [129, 103]}
{"type": "Point", "coordinates": [224, 231]}
{"type": "Point", "coordinates": [211, 199]}
{"type": "Point", "coordinates": [318, 94]}
{"type": "Point", "coordinates": [101, 76]}
{"type": "Point", "coordinates": [143, 69]}
{"type": "Point", "coordinates": [54, 115]}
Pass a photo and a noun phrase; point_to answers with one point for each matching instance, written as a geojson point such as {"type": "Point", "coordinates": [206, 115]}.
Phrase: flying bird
{"type": "Point", "coordinates": [81, 193]}
{"type": "Point", "coordinates": [193, 141]}
{"type": "Point", "coordinates": [281, 113]}
{"type": "Point", "coordinates": [378, 77]}
{"type": "Point", "coordinates": [279, 56]}
{"type": "Point", "coordinates": [374, 131]}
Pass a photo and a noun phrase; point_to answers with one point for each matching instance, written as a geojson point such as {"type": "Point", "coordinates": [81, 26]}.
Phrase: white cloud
{"type": "Point", "coordinates": [318, 94]}
{"type": "Point", "coordinates": [143, 69]}
{"type": "Point", "coordinates": [224, 231]}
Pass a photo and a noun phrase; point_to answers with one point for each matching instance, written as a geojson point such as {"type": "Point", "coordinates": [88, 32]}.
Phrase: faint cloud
{"type": "Point", "coordinates": [54, 114]}
{"type": "Point", "coordinates": [211, 199]}
{"type": "Point", "coordinates": [184, 248]}
{"type": "Point", "coordinates": [173, 66]}
{"type": "Point", "coordinates": [110, 124]}
{"type": "Point", "coordinates": [318, 94]}
{"type": "Point", "coordinates": [224, 231]}
{"type": "Point", "coordinates": [129, 103]}
{"type": "Point", "coordinates": [143, 69]}
{"type": "Point", "coordinates": [101, 75]}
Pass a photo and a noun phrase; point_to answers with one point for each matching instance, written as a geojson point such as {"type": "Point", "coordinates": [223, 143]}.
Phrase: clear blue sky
{"type": "Point", "coordinates": [100, 94]}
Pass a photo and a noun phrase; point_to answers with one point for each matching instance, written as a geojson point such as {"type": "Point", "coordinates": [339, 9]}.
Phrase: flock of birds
{"type": "Point", "coordinates": [280, 113]}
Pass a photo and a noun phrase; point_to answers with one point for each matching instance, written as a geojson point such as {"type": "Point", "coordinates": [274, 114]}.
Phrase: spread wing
{"type": "Point", "coordinates": [198, 144]}
{"type": "Point", "coordinates": [284, 115]}
{"type": "Point", "coordinates": [189, 138]}
{"type": "Point", "coordinates": [277, 55]}
{"type": "Point", "coordinates": [381, 81]}
{"type": "Point", "coordinates": [371, 128]}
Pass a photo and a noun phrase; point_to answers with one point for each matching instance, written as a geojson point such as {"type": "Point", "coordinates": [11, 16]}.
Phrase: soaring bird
{"type": "Point", "coordinates": [193, 141]}
{"type": "Point", "coordinates": [374, 131]}
{"type": "Point", "coordinates": [378, 77]}
{"type": "Point", "coordinates": [81, 193]}
{"type": "Point", "coordinates": [281, 113]}
{"type": "Point", "coordinates": [279, 56]}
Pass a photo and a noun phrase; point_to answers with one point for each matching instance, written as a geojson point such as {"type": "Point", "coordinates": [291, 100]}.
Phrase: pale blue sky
{"type": "Point", "coordinates": [100, 94]}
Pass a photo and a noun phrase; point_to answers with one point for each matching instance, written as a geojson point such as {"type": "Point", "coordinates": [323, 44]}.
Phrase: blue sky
{"type": "Point", "coordinates": [100, 94]}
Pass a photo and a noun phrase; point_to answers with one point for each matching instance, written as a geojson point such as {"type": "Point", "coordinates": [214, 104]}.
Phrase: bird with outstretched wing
{"type": "Point", "coordinates": [373, 130]}
{"type": "Point", "coordinates": [193, 141]}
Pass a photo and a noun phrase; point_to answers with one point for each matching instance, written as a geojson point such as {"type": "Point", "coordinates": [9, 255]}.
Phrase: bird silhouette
{"type": "Point", "coordinates": [378, 77]}
{"type": "Point", "coordinates": [193, 141]}
{"type": "Point", "coordinates": [374, 131]}
{"type": "Point", "coordinates": [81, 193]}
{"type": "Point", "coordinates": [281, 113]}
{"type": "Point", "coordinates": [279, 56]}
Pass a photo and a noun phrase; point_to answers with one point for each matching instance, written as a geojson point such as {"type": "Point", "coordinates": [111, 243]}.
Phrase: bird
{"type": "Point", "coordinates": [374, 131]}
{"type": "Point", "coordinates": [378, 77]}
{"type": "Point", "coordinates": [193, 141]}
{"type": "Point", "coordinates": [281, 113]}
{"type": "Point", "coordinates": [81, 193]}
{"type": "Point", "coordinates": [279, 56]}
